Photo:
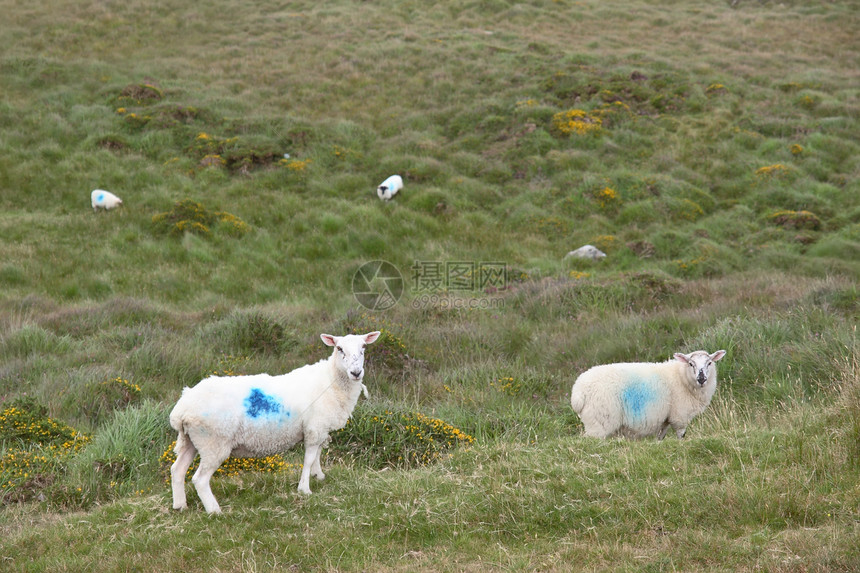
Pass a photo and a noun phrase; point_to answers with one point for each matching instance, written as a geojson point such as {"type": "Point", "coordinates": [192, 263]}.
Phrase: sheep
{"type": "Point", "coordinates": [586, 252]}
{"type": "Point", "coordinates": [104, 199]}
{"type": "Point", "coordinates": [389, 188]}
{"type": "Point", "coordinates": [260, 415]}
{"type": "Point", "coordinates": [644, 399]}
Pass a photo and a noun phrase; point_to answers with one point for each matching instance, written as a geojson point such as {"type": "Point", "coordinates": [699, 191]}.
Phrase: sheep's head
{"type": "Point", "coordinates": [349, 352]}
{"type": "Point", "coordinates": [701, 364]}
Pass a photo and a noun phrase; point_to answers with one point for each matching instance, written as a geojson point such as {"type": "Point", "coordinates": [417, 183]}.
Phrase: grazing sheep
{"type": "Point", "coordinates": [260, 415]}
{"type": "Point", "coordinates": [389, 188]}
{"type": "Point", "coordinates": [587, 252]}
{"type": "Point", "coordinates": [104, 199]}
{"type": "Point", "coordinates": [644, 399]}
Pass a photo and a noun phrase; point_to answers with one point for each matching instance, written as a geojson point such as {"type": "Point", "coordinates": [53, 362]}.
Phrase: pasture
{"type": "Point", "coordinates": [709, 149]}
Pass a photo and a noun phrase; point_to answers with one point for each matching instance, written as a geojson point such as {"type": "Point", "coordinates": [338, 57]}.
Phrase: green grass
{"type": "Point", "coordinates": [710, 150]}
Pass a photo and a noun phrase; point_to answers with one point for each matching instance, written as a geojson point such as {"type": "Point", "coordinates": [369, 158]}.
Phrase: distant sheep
{"type": "Point", "coordinates": [261, 415]}
{"type": "Point", "coordinates": [586, 252]}
{"type": "Point", "coordinates": [104, 199]}
{"type": "Point", "coordinates": [645, 399]}
{"type": "Point", "coordinates": [389, 188]}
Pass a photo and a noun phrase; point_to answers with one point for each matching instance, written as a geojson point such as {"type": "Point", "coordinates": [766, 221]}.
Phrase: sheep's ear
{"type": "Point", "coordinates": [717, 355]}
{"type": "Point", "coordinates": [682, 358]}
{"type": "Point", "coordinates": [329, 340]}
{"type": "Point", "coordinates": [371, 336]}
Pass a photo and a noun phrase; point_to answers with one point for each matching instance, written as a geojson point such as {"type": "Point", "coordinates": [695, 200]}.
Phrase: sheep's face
{"type": "Point", "coordinates": [349, 352]}
{"type": "Point", "coordinates": [593, 252]}
{"type": "Point", "coordinates": [701, 364]}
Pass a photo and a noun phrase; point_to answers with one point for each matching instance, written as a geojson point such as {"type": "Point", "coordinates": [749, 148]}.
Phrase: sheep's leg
{"type": "Point", "coordinates": [316, 469]}
{"type": "Point", "coordinates": [597, 432]}
{"type": "Point", "coordinates": [597, 426]}
{"type": "Point", "coordinates": [311, 457]}
{"type": "Point", "coordinates": [663, 430]}
{"type": "Point", "coordinates": [185, 452]}
{"type": "Point", "coordinates": [209, 464]}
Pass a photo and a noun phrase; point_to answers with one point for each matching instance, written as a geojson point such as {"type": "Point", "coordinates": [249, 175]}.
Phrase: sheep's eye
{"type": "Point", "coordinates": [339, 349]}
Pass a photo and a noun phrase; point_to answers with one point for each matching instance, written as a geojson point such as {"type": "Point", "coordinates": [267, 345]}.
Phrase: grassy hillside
{"type": "Point", "coordinates": [710, 150]}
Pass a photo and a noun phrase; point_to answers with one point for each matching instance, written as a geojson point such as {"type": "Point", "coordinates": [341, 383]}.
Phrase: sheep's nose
{"type": "Point", "coordinates": [356, 374]}
{"type": "Point", "coordinates": [702, 378]}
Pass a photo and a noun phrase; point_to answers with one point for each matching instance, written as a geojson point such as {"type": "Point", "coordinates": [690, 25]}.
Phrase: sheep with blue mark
{"type": "Point", "coordinates": [640, 399]}
{"type": "Point", "coordinates": [101, 199]}
{"type": "Point", "coordinates": [260, 415]}
{"type": "Point", "coordinates": [389, 188]}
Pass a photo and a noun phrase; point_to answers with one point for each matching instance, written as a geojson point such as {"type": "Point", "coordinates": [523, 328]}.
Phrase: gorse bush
{"type": "Point", "coordinates": [379, 436]}
{"type": "Point", "coordinates": [232, 466]}
{"type": "Point", "coordinates": [140, 94]}
{"type": "Point", "coordinates": [34, 449]}
{"type": "Point", "coordinates": [795, 220]}
{"type": "Point", "coordinates": [576, 122]}
{"type": "Point", "coordinates": [188, 216]}
{"type": "Point", "coordinates": [26, 422]}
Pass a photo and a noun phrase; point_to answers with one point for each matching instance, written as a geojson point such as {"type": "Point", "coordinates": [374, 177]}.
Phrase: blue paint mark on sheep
{"type": "Point", "coordinates": [100, 198]}
{"type": "Point", "coordinates": [636, 398]}
{"type": "Point", "coordinates": [260, 404]}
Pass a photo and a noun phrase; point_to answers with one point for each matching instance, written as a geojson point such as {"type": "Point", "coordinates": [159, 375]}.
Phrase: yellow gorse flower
{"type": "Point", "coordinates": [607, 197]}
{"type": "Point", "coordinates": [53, 442]}
{"type": "Point", "coordinates": [777, 170]}
{"type": "Point", "coordinates": [234, 466]}
{"type": "Point", "coordinates": [576, 122]}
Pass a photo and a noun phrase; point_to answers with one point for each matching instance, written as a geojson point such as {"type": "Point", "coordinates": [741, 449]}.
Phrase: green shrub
{"type": "Point", "coordinates": [836, 247]}
{"type": "Point", "coordinates": [250, 332]}
{"type": "Point", "coordinates": [31, 340]}
{"type": "Point", "coordinates": [846, 407]}
{"type": "Point", "coordinates": [795, 220]}
{"type": "Point", "coordinates": [382, 436]}
{"type": "Point", "coordinates": [103, 398]}
{"type": "Point", "coordinates": [389, 352]}
{"type": "Point", "coordinates": [121, 459]}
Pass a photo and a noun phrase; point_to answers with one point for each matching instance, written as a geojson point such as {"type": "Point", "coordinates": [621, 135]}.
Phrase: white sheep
{"type": "Point", "coordinates": [104, 199]}
{"type": "Point", "coordinates": [586, 252]}
{"type": "Point", "coordinates": [389, 188]}
{"type": "Point", "coordinates": [261, 415]}
{"type": "Point", "coordinates": [645, 399]}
